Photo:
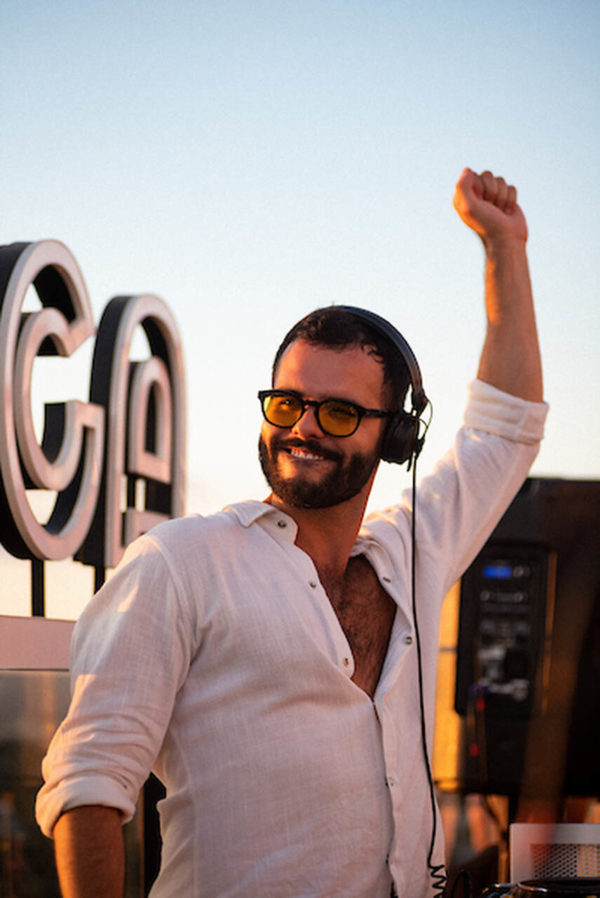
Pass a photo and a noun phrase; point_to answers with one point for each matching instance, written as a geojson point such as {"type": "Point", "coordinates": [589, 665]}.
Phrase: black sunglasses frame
{"type": "Point", "coordinates": [316, 404]}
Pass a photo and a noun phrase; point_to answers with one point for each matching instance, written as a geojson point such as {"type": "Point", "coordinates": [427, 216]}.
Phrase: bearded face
{"type": "Point", "coordinates": [305, 466]}
{"type": "Point", "coordinates": [306, 474]}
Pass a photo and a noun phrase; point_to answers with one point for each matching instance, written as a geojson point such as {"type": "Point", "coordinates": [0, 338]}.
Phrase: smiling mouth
{"type": "Point", "coordinates": [307, 452]}
{"type": "Point", "coordinates": [306, 455]}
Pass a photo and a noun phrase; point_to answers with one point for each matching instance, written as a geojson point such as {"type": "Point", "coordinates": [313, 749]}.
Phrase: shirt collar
{"type": "Point", "coordinates": [282, 525]}
{"type": "Point", "coordinates": [250, 511]}
{"type": "Point", "coordinates": [273, 519]}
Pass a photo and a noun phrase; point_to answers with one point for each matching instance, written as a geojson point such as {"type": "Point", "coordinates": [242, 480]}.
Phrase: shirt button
{"type": "Point", "coordinates": [391, 781]}
{"type": "Point", "coordinates": [346, 662]}
{"type": "Point", "coordinates": [408, 640]}
{"type": "Point", "coordinates": [312, 584]}
{"type": "Point", "coordinates": [386, 579]}
{"type": "Point", "coordinates": [282, 523]}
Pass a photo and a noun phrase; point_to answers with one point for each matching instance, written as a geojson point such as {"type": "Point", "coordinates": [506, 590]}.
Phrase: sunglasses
{"type": "Point", "coordinates": [336, 417]}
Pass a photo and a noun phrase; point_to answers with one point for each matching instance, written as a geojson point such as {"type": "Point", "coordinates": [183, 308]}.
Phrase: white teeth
{"type": "Point", "coordinates": [302, 453]}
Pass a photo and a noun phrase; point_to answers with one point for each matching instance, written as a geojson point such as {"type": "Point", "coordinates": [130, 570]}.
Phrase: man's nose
{"type": "Point", "coordinates": [308, 425]}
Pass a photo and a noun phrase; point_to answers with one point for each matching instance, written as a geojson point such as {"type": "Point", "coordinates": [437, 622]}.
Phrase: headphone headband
{"type": "Point", "coordinates": [401, 441]}
{"type": "Point", "coordinates": [419, 399]}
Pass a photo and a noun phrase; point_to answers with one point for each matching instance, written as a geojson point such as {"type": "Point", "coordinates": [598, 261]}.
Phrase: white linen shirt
{"type": "Point", "coordinates": [214, 657]}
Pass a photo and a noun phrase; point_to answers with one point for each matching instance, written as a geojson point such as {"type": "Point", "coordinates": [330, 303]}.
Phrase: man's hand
{"type": "Point", "coordinates": [488, 205]}
{"type": "Point", "coordinates": [510, 359]}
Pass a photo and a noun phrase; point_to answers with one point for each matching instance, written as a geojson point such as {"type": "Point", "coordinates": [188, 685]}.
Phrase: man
{"type": "Point", "coordinates": [263, 661]}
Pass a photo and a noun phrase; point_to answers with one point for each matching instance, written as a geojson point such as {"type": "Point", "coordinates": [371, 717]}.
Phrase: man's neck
{"type": "Point", "coordinates": [327, 534]}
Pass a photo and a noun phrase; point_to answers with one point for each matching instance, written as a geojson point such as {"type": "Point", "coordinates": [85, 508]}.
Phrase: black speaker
{"type": "Point", "coordinates": [528, 651]}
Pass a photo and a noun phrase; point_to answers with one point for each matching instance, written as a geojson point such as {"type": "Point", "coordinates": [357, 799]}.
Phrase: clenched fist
{"type": "Point", "coordinates": [488, 205]}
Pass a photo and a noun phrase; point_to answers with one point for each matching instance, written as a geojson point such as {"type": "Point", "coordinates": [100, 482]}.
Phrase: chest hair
{"type": "Point", "coordinates": [366, 614]}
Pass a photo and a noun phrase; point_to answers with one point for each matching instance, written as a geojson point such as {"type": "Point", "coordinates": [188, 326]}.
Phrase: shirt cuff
{"type": "Point", "coordinates": [494, 411]}
{"type": "Point", "coordinates": [51, 803]}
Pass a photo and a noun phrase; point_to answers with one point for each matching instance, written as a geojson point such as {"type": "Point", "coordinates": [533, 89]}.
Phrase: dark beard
{"type": "Point", "coordinates": [344, 481]}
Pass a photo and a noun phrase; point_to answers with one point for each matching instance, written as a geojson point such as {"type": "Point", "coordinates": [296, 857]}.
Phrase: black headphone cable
{"type": "Point", "coordinates": [437, 872]}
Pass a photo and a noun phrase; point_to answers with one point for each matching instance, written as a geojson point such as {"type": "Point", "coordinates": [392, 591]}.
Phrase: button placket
{"type": "Point", "coordinates": [342, 652]}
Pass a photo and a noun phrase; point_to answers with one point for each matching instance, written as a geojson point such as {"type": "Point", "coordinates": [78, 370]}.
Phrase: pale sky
{"type": "Point", "coordinates": [249, 161]}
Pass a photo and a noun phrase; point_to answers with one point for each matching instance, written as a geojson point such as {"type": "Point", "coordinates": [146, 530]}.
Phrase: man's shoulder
{"type": "Point", "coordinates": [191, 531]}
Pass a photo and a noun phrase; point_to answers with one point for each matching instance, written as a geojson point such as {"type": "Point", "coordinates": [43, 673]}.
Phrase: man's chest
{"type": "Point", "coordinates": [366, 614]}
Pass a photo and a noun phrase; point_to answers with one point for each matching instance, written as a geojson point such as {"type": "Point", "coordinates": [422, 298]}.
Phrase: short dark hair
{"type": "Point", "coordinates": [339, 329]}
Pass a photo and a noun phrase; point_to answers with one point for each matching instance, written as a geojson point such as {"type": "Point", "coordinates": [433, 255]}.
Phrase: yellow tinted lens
{"type": "Point", "coordinates": [340, 419]}
{"type": "Point", "coordinates": [282, 411]}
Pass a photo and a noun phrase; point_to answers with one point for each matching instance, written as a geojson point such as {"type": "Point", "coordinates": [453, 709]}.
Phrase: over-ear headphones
{"type": "Point", "coordinates": [403, 439]}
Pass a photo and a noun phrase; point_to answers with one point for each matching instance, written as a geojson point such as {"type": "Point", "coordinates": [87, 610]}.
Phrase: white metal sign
{"type": "Point", "coordinates": [94, 455]}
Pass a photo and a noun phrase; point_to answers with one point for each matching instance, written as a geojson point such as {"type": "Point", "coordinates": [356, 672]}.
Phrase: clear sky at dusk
{"type": "Point", "coordinates": [249, 161]}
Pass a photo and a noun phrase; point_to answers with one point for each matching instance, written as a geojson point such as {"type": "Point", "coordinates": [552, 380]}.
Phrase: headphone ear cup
{"type": "Point", "coordinates": [401, 439]}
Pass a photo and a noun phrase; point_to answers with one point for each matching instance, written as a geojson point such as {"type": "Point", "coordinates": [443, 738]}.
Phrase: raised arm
{"type": "Point", "coordinates": [510, 359]}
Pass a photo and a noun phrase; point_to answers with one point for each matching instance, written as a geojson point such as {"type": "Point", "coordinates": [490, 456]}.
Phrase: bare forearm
{"type": "Point", "coordinates": [510, 359]}
{"type": "Point", "coordinates": [89, 853]}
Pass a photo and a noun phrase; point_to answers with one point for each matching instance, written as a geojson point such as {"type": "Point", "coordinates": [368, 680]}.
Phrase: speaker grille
{"type": "Point", "coordinates": [565, 860]}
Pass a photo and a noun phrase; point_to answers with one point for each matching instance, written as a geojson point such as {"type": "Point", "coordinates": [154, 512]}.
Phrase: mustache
{"type": "Point", "coordinates": [278, 445]}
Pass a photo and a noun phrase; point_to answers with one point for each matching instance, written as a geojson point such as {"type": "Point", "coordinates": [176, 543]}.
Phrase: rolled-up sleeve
{"type": "Point", "coordinates": [463, 498]}
{"type": "Point", "coordinates": [130, 652]}
{"type": "Point", "coordinates": [492, 411]}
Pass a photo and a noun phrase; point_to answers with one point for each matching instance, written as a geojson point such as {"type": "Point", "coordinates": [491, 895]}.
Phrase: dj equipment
{"type": "Point", "coordinates": [528, 653]}
{"type": "Point", "coordinates": [556, 860]}
{"type": "Point", "coordinates": [545, 888]}
{"type": "Point", "coordinates": [403, 439]}
{"type": "Point", "coordinates": [554, 851]}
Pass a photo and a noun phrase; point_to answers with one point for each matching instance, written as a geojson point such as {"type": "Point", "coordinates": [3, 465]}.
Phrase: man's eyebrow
{"type": "Point", "coordinates": [326, 398]}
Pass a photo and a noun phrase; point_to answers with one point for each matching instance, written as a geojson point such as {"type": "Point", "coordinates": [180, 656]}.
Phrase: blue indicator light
{"type": "Point", "coordinates": [498, 571]}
